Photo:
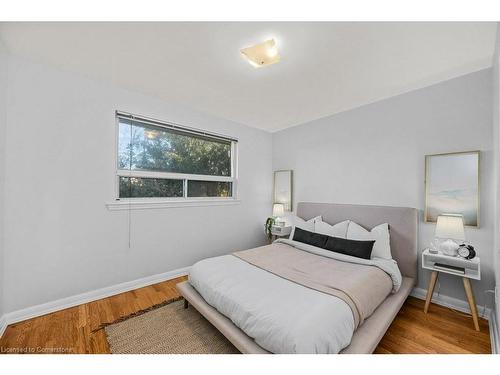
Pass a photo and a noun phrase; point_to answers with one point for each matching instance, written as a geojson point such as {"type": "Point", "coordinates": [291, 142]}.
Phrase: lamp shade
{"type": "Point", "coordinates": [450, 227]}
{"type": "Point", "coordinates": [278, 209]}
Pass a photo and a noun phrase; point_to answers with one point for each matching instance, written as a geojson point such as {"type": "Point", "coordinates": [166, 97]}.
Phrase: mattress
{"type": "Point", "coordinates": [279, 315]}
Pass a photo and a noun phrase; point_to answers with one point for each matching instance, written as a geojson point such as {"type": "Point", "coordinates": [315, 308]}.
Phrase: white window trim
{"type": "Point", "coordinates": [171, 176]}
{"type": "Point", "coordinates": [158, 203]}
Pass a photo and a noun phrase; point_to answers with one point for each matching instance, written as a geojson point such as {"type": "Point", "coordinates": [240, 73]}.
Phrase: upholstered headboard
{"type": "Point", "coordinates": [402, 222]}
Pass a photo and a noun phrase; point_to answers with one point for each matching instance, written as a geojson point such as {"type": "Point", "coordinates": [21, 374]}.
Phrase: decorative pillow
{"type": "Point", "coordinates": [354, 248]}
{"type": "Point", "coordinates": [337, 230]}
{"type": "Point", "coordinates": [302, 224]}
{"type": "Point", "coordinates": [380, 233]}
{"type": "Point", "coordinates": [310, 238]}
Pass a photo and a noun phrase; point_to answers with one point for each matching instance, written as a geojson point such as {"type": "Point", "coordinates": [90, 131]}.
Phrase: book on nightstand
{"type": "Point", "coordinates": [446, 267]}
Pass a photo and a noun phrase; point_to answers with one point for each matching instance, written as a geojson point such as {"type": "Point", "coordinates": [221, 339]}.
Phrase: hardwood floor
{"type": "Point", "coordinates": [79, 329]}
{"type": "Point", "coordinates": [441, 330]}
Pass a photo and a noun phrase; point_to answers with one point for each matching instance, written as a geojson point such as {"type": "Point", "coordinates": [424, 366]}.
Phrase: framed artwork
{"type": "Point", "coordinates": [283, 188]}
{"type": "Point", "coordinates": [452, 186]}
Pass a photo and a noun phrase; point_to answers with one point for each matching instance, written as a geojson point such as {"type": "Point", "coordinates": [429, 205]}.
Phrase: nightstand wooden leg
{"type": "Point", "coordinates": [472, 303]}
{"type": "Point", "coordinates": [430, 290]}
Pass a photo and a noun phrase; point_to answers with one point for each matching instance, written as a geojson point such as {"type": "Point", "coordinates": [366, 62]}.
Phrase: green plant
{"type": "Point", "coordinates": [268, 226]}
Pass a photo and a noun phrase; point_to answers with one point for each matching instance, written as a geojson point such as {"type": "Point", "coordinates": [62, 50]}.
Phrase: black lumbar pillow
{"type": "Point", "coordinates": [354, 248]}
{"type": "Point", "coordinates": [310, 238]}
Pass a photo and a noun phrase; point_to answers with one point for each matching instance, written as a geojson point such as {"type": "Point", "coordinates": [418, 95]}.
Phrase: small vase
{"type": "Point", "coordinates": [449, 247]}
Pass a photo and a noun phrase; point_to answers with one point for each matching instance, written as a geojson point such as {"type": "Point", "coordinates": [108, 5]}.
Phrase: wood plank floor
{"type": "Point", "coordinates": [77, 329]}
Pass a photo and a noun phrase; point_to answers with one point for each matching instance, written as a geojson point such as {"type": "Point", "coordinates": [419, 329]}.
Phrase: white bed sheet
{"type": "Point", "coordinates": [281, 316]}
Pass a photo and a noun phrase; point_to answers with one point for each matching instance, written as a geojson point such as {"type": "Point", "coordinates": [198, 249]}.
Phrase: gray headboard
{"type": "Point", "coordinates": [402, 222]}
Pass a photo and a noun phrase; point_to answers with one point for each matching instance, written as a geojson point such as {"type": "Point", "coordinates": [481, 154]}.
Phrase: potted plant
{"type": "Point", "coordinates": [268, 226]}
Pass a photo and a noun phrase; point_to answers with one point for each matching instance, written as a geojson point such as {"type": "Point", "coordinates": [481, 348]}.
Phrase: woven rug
{"type": "Point", "coordinates": [169, 329]}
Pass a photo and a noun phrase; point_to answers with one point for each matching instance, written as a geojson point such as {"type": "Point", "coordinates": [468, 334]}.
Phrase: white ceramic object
{"type": "Point", "coordinates": [449, 247]}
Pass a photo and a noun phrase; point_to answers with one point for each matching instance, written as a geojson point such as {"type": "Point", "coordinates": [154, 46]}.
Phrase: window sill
{"type": "Point", "coordinates": [159, 204]}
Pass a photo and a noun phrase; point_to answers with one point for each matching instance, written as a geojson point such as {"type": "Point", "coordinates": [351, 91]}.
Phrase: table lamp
{"type": "Point", "coordinates": [450, 227]}
{"type": "Point", "coordinates": [278, 211]}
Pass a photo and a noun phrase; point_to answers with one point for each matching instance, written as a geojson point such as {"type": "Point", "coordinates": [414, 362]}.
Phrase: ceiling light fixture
{"type": "Point", "coordinates": [262, 54]}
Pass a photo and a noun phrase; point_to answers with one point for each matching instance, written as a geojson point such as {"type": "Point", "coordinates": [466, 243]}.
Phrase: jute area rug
{"type": "Point", "coordinates": [169, 329]}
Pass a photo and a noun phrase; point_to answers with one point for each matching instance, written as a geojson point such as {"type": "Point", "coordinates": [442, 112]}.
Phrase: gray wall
{"type": "Point", "coordinates": [496, 141]}
{"type": "Point", "coordinates": [3, 126]}
{"type": "Point", "coordinates": [60, 239]}
{"type": "Point", "coordinates": [375, 155]}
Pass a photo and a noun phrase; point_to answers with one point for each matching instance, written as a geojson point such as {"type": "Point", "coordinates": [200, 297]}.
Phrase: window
{"type": "Point", "coordinates": [161, 160]}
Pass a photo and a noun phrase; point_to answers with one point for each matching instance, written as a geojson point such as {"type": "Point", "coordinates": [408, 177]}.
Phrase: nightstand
{"type": "Point", "coordinates": [466, 269]}
{"type": "Point", "coordinates": [279, 232]}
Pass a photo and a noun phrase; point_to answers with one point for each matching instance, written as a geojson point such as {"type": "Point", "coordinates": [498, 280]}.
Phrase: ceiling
{"type": "Point", "coordinates": [325, 68]}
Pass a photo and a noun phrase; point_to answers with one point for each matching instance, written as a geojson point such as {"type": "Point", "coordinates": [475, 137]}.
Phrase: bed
{"type": "Point", "coordinates": [254, 312]}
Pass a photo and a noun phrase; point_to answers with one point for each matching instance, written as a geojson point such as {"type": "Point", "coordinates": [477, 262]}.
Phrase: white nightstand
{"type": "Point", "coordinates": [279, 232]}
{"type": "Point", "coordinates": [471, 270]}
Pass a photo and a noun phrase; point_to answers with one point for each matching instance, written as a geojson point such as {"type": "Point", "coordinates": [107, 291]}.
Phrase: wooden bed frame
{"type": "Point", "coordinates": [403, 223]}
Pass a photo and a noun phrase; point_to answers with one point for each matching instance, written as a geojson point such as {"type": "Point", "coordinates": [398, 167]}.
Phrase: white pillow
{"type": "Point", "coordinates": [337, 230]}
{"type": "Point", "coordinates": [380, 233]}
{"type": "Point", "coordinates": [302, 224]}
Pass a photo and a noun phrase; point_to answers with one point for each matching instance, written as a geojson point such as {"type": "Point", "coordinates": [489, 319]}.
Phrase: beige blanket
{"type": "Point", "coordinates": [363, 287]}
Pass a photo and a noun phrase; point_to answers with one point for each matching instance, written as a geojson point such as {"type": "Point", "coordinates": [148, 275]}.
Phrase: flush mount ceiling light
{"type": "Point", "coordinates": [262, 54]}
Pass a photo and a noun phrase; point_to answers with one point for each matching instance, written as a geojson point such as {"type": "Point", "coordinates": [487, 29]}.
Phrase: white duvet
{"type": "Point", "coordinates": [280, 315]}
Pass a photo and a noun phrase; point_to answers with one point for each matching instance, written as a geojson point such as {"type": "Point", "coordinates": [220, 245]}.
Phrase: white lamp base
{"type": "Point", "coordinates": [279, 222]}
{"type": "Point", "coordinates": [449, 247]}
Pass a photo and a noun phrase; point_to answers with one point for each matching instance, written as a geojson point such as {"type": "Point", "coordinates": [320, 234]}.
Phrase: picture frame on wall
{"type": "Point", "coordinates": [452, 186]}
{"type": "Point", "coordinates": [283, 188]}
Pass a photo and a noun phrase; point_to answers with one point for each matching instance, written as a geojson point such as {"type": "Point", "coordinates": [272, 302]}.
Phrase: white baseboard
{"type": "Point", "coordinates": [494, 333]}
{"type": "Point", "coordinates": [451, 302]}
{"type": "Point", "coordinates": [3, 325]}
{"type": "Point", "coordinates": [64, 303]}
